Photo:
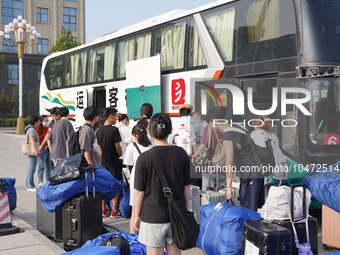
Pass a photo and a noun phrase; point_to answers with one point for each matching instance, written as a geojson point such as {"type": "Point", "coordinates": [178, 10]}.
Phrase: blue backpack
{"type": "Point", "coordinates": [221, 227]}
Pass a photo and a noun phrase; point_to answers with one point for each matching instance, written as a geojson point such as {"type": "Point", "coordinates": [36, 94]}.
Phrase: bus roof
{"type": "Point", "coordinates": [154, 21]}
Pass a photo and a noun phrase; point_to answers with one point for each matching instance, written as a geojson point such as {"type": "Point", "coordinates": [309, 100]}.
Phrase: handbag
{"type": "Point", "coordinates": [26, 148]}
{"type": "Point", "coordinates": [203, 158]}
{"type": "Point", "coordinates": [185, 229]}
{"type": "Point", "coordinates": [68, 169]}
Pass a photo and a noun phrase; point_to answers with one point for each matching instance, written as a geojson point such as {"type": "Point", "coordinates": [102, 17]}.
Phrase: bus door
{"type": "Point", "coordinates": [99, 99]}
{"type": "Point", "coordinates": [82, 100]}
{"type": "Point", "coordinates": [143, 85]}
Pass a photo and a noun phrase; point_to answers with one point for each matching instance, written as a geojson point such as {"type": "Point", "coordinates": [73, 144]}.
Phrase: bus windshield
{"type": "Point", "coordinates": [321, 30]}
{"type": "Point", "coordinates": [325, 119]}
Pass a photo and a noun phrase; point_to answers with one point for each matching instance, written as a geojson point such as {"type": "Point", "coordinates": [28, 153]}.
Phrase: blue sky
{"type": "Point", "coordinates": [104, 16]}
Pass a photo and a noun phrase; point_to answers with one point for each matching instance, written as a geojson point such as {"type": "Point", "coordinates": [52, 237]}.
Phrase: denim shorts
{"type": "Point", "coordinates": [155, 235]}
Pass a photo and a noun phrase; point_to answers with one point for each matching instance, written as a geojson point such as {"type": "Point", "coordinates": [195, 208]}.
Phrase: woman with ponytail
{"type": "Point", "coordinates": [44, 162]}
{"type": "Point", "coordinates": [153, 220]}
{"type": "Point", "coordinates": [141, 144]}
{"type": "Point", "coordinates": [146, 112]}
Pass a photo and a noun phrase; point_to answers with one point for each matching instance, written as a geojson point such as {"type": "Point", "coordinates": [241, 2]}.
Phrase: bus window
{"type": "Point", "coordinates": [55, 74]}
{"type": "Point", "coordinates": [170, 43]}
{"type": "Point", "coordinates": [221, 26]}
{"type": "Point", "coordinates": [325, 120]}
{"type": "Point", "coordinates": [75, 68]}
{"type": "Point", "coordinates": [132, 48]}
{"type": "Point", "coordinates": [196, 57]}
{"type": "Point", "coordinates": [266, 30]}
{"type": "Point", "coordinates": [101, 63]}
{"type": "Point", "coordinates": [289, 139]}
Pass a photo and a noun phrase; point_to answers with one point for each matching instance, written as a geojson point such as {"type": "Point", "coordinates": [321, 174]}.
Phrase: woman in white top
{"type": "Point", "coordinates": [132, 153]}
{"type": "Point", "coordinates": [124, 131]}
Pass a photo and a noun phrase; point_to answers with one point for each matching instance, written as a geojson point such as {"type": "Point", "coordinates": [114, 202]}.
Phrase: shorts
{"type": "Point", "coordinates": [155, 235]}
{"type": "Point", "coordinates": [116, 171]}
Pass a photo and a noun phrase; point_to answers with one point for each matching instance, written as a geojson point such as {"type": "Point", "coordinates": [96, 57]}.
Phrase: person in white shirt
{"type": "Point", "coordinates": [142, 143]}
{"type": "Point", "coordinates": [124, 131]}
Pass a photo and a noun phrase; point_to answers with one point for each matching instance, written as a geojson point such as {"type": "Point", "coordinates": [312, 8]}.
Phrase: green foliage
{"type": "Point", "coordinates": [6, 102]}
{"type": "Point", "coordinates": [12, 121]}
{"type": "Point", "coordinates": [64, 41]}
{"type": "Point", "coordinates": [2, 62]}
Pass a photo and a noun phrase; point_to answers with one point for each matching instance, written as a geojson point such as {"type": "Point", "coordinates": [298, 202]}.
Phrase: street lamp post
{"type": "Point", "coordinates": [20, 32]}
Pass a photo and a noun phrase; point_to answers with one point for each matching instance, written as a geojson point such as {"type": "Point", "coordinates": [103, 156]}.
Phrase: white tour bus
{"type": "Point", "coordinates": [153, 61]}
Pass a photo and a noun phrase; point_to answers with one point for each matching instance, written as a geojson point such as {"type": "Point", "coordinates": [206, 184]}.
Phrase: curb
{"type": "Point", "coordinates": [25, 227]}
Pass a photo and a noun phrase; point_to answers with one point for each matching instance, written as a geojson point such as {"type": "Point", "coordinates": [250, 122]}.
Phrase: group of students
{"type": "Point", "coordinates": [150, 140]}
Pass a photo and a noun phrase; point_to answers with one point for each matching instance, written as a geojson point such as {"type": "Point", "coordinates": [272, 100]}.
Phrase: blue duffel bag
{"type": "Point", "coordinates": [11, 192]}
{"type": "Point", "coordinates": [93, 247]}
{"type": "Point", "coordinates": [221, 227]}
{"type": "Point", "coordinates": [124, 200]}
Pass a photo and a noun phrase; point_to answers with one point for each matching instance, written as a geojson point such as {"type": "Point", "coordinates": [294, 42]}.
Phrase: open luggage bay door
{"type": "Point", "coordinates": [143, 78]}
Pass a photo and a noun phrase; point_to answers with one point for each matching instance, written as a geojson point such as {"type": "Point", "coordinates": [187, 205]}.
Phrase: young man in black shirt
{"type": "Point", "coordinates": [238, 154]}
{"type": "Point", "coordinates": [109, 147]}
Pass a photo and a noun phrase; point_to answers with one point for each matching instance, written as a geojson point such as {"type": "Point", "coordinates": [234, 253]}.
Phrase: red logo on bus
{"type": "Point", "coordinates": [178, 91]}
{"type": "Point", "coordinates": [331, 139]}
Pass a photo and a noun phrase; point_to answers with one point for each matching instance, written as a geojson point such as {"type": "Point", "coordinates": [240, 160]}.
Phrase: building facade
{"type": "Point", "coordinates": [48, 16]}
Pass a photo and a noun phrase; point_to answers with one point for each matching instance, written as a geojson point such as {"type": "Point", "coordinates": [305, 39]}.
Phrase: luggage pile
{"type": "Point", "coordinates": [228, 228]}
{"type": "Point", "coordinates": [69, 206]}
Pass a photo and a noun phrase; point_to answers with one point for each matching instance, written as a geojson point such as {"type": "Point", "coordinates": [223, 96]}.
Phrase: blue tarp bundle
{"type": "Point", "coordinates": [221, 227]}
{"type": "Point", "coordinates": [324, 184]}
{"type": "Point", "coordinates": [92, 246]}
{"type": "Point", "coordinates": [11, 192]}
{"type": "Point", "coordinates": [52, 197]}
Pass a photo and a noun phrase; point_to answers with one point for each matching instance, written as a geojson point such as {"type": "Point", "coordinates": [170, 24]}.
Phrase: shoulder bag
{"type": "Point", "coordinates": [203, 158]}
{"type": "Point", "coordinates": [26, 148]}
{"type": "Point", "coordinates": [185, 229]}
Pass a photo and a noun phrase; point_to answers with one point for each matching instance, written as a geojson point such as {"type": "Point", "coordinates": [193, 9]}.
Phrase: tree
{"type": "Point", "coordinates": [64, 41]}
{"type": "Point", "coordinates": [6, 102]}
{"type": "Point", "coordinates": [2, 62]}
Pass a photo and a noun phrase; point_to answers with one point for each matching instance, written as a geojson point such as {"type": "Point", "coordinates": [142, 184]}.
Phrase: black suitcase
{"type": "Point", "coordinates": [264, 237]}
{"type": "Point", "coordinates": [82, 219]}
{"type": "Point", "coordinates": [301, 226]}
{"type": "Point", "coordinates": [49, 223]}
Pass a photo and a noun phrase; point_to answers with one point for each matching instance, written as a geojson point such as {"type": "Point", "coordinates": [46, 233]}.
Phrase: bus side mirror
{"type": "Point", "coordinates": [337, 95]}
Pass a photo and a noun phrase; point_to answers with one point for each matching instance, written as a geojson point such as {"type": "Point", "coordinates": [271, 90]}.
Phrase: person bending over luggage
{"type": "Point", "coordinates": [141, 144]}
{"type": "Point", "coordinates": [151, 207]}
{"type": "Point", "coordinates": [109, 147]}
{"type": "Point", "coordinates": [87, 137]}
{"type": "Point", "coordinates": [237, 150]}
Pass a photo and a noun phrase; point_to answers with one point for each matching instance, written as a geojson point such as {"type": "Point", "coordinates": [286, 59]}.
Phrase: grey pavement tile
{"type": "Point", "coordinates": [17, 240]}
{"type": "Point", "coordinates": [28, 250]}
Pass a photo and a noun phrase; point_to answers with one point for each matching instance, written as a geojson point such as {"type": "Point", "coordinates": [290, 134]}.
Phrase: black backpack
{"type": "Point", "coordinates": [73, 146]}
{"type": "Point", "coordinates": [263, 156]}
{"type": "Point", "coordinates": [119, 241]}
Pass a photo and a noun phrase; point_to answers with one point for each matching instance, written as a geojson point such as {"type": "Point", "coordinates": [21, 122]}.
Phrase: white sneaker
{"type": "Point", "coordinates": [32, 190]}
{"type": "Point", "coordinates": [40, 185]}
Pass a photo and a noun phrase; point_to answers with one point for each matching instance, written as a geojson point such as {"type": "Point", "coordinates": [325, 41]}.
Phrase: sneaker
{"type": "Point", "coordinates": [40, 185]}
{"type": "Point", "coordinates": [104, 213]}
{"type": "Point", "coordinates": [114, 215]}
{"type": "Point", "coordinates": [32, 190]}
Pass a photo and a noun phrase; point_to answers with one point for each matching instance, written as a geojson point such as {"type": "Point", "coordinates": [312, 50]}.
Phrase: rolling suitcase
{"type": "Point", "coordinates": [210, 196]}
{"type": "Point", "coordinates": [265, 237]}
{"type": "Point", "coordinates": [50, 224]}
{"type": "Point", "coordinates": [82, 219]}
{"type": "Point", "coordinates": [330, 228]}
{"type": "Point", "coordinates": [195, 201]}
{"type": "Point", "coordinates": [300, 226]}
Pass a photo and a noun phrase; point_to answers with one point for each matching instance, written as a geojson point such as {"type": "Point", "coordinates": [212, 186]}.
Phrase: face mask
{"type": "Point", "coordinates": [45, 123]}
